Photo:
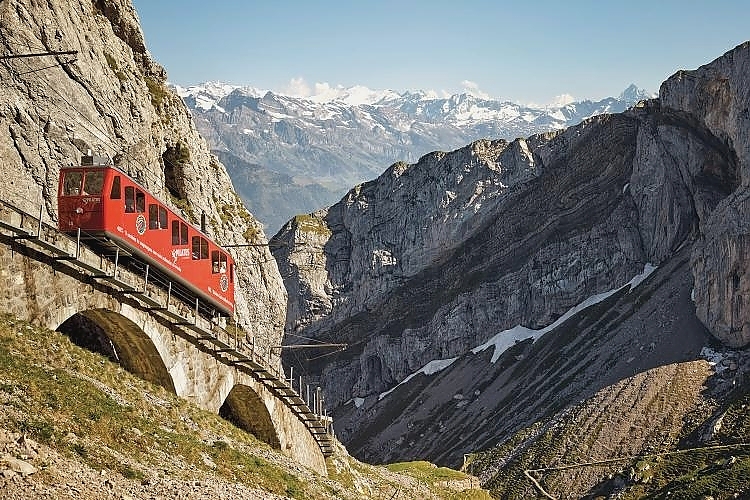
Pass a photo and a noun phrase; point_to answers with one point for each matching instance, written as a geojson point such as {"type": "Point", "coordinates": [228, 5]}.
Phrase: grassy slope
{"type": "Point", "coordinates": [96, 416]}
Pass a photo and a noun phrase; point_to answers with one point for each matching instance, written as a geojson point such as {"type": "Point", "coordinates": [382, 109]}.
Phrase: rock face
{"type": "Point", "coordinates": [432, 259]}
{"type": "Point", "coordinates": [718, 96]}
{"type": "Point", "coordinates": [111, 98]}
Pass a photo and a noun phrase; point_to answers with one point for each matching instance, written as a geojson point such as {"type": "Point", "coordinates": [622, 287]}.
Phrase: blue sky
{"type": "Point", "coordinates": [516, 51]}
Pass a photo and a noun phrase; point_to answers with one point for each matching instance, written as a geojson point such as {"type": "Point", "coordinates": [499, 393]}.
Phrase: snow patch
{"type": "Point", "coordinates": [713, 357]}
{"type": "Point", "coordinates": [358, 402]}
{"type": "Point", "coordinates": [526, 151]}
{"type": "Point", "coordinates": [430, 368]}
{"type": "Point", "coordinates": [505, 339]}
{"type": "Point", "coordinates": [720, 361]}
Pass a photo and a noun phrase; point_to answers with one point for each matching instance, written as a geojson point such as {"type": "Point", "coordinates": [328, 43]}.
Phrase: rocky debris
{"type": "Point", "coordinates": [64, 478]}
{"type": "Point", "coordinates": [16, 454]}
{"type": "Point", "coordinates": [592, 350]}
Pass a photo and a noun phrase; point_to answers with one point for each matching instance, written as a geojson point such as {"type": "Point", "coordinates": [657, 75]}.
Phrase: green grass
{"type": "Point", "coordinates": [433, 476]}
{"type": "Point", "coordinates": [311, 224]}
{"type": "Point", "coordinates": [234, 215]}
{"type": "Point", "coordinates": [45, 399]}
{"type": "Point", "coordinates": [184, 205]}
{"type": "Point", "coordinates": [425, 471]}
{"type": "Point", "coordinates": [158, 92]}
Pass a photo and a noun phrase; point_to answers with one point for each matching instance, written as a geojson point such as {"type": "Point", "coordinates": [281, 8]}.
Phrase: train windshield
{"type": "Point", "coordinates": [72, 183]}
{"type": "Point", "coordinates": [94, 182]}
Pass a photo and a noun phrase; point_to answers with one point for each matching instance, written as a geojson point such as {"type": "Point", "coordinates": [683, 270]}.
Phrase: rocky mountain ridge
{"type": "Point", "coordinates": [316, 148]}
{"type": "Point", "coordinates": [435, 258]}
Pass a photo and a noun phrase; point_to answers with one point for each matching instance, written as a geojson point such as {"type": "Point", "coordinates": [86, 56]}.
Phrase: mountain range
{"type": "Point", "coordinates": [559, 300]}
{"type": "Point", "coordinates": [291, 155]}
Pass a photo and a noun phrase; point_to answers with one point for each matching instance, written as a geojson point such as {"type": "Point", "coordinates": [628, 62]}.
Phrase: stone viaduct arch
{"type": "Point", "coordinates": [37, 288]}
{"type": "Point", "coordinates": [122, 340]}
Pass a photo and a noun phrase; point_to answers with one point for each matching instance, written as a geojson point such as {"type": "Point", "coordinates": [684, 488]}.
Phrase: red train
{"type": "Point", "coordinates": [102, 200]}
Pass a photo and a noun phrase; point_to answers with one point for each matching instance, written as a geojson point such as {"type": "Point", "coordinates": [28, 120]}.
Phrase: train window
{"type": "Point", "coordinates": [140, 201]}
{"type": "Point", "coordinates": [231, 273]}
{"type": "Point", "coordinates": [163, 218]}
{"type": "Point", "coordinates": [196, 247]}
{"type": "Point", "coordinates": [129, 199]}
{"type": "Point", "coordinates": [72, 183]}
{"type": "Point", "coordinates": [218, 262]}
{"type": "Point", "coordinates": [153, 216]}
{"type": "Point", "coordinates": [93, 182]}
{"type": "Point", "coordinates": [157, 217]}
{"type": "Point", "coordinates": [200, 248]}
{"type": "Point", "coordinates": [115, 193]}
{"type": "Point", "coordinates": [179, 233]}
{"type": "Point", "coordinates": [204, 249]}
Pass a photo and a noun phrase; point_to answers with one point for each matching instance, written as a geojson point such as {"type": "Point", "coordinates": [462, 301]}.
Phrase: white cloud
{"type": "Point", "coordinates": [473, 89]}
{"type": "Point", "coordinates": [324, 92]}
{"type": "Point", "coordinates": [297, 87]}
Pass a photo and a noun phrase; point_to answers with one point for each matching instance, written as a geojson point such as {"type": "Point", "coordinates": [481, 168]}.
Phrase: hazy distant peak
{"type": "Point", "coordinates": [204, 96]}
{"type": "Point", "coordinates": [634, 94]}
{"type": "Point", "coordinates": [352, 96]}
{"type": "Point", "coordinates": [561, 100]}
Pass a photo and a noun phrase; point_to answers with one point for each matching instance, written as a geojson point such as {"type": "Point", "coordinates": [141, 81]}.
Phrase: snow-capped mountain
{"type": "Point", "coordinates": [340, 137]}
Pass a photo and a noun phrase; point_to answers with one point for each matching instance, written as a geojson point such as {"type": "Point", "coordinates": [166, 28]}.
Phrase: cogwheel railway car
{"type": "Point", "coordinates": [103, 201]}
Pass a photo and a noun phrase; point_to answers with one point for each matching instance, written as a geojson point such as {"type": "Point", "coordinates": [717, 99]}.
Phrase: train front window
{"type": "Point", "coordinates": [93, 182]}
{"type": "Point", "coordinates": [72, 183]}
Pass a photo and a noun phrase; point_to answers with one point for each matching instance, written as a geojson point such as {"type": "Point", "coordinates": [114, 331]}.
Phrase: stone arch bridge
{"type": "Point", "coordinates": [53, 280]}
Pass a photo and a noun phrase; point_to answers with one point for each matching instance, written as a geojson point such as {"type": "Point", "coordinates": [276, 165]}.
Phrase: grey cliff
{"type": "Point", "coordinates": [111, 98]}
